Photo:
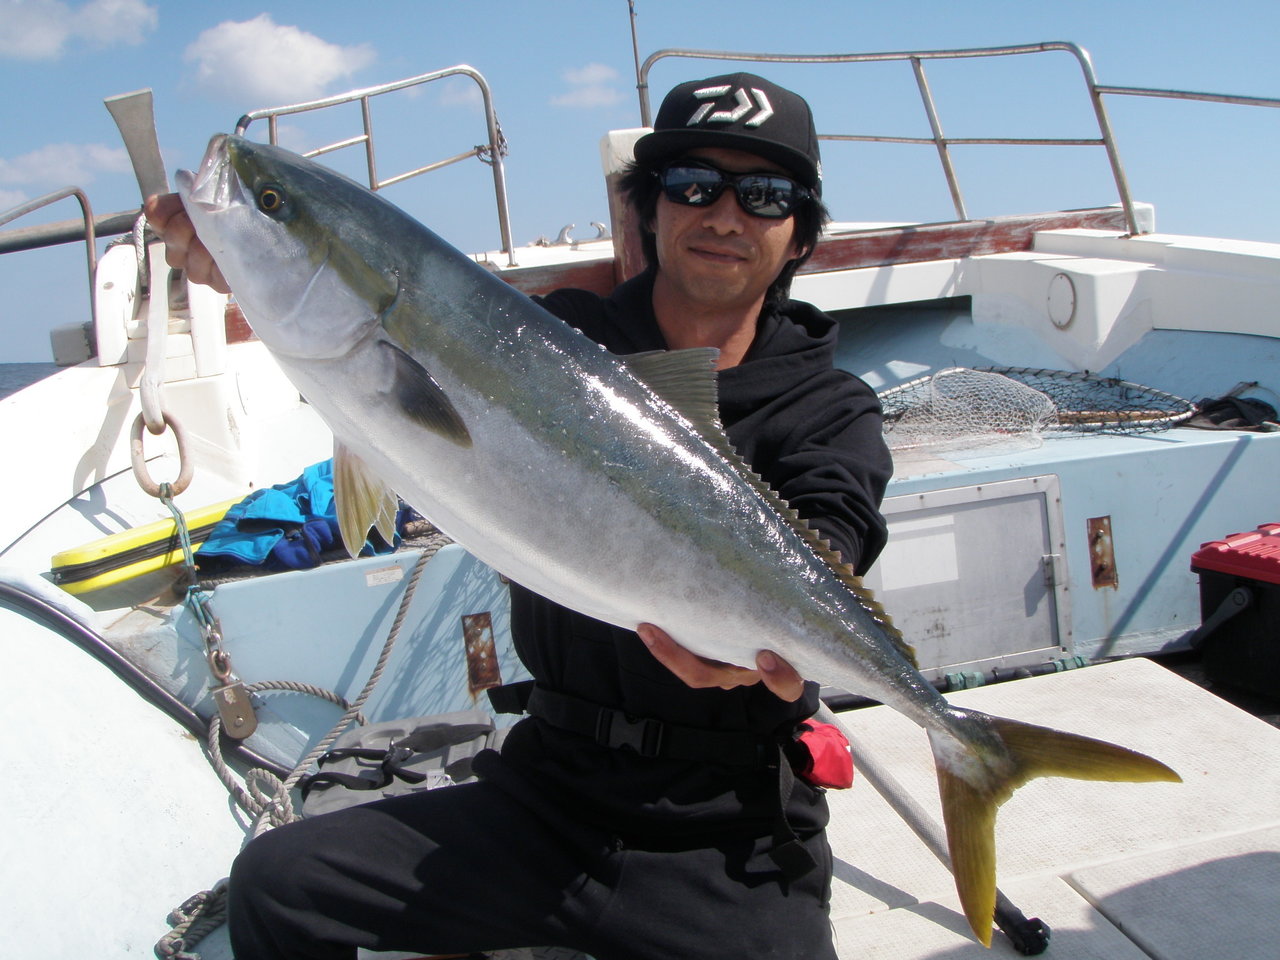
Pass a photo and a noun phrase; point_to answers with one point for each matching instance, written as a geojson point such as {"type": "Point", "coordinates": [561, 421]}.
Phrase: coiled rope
{"type": "Point", "coordinates": [265, 796]}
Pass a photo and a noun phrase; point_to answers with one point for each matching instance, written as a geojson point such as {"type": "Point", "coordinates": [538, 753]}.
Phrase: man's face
{"type": "Point", "coordinates": [720, 255]}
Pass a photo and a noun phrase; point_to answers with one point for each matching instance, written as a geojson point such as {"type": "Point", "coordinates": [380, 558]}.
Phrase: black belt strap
{"type": "Point", "coordinates": [646, 736]}
{"type": "Point", "coordinates": [511, 697]}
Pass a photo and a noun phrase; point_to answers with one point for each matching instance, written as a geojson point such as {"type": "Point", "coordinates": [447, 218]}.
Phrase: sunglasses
{"type": "Point", "coordinates": [767, 195]}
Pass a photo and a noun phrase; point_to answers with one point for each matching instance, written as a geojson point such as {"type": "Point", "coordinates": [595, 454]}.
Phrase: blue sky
{"type": "Point", "coordinates": [562, 74]}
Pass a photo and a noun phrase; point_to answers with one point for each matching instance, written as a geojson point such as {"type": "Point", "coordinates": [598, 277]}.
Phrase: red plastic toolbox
{"type": "Point", "coordinates": [1255, 555]}
{"type": "Point", "coordinates": [1244, 649]}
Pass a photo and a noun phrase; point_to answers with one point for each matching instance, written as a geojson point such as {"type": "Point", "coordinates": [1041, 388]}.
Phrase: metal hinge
{"type": "Point", "coordinates": [1051, 563]}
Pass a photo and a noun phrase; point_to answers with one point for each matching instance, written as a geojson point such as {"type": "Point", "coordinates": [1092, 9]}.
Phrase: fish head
{"type": "Point", "coordinates": [295, 242]}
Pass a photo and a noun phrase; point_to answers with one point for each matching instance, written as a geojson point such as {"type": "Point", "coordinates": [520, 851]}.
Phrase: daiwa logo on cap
{"type": "Point", "coordinates": [737, 111]}
{"type": "Point", "coordinates": [742, 105]}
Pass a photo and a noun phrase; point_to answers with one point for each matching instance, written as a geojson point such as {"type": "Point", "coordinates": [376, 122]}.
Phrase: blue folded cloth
{"type": "Point", "coordinates": [284, 527]}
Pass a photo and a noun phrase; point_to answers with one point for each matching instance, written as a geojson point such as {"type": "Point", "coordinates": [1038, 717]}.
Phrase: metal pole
{"type": "Point", "coordinates": [86, 212]}
{"type": "Point", "coordinates": [642, 85]}
{"type": "Point", "coordinates": [935, 125]}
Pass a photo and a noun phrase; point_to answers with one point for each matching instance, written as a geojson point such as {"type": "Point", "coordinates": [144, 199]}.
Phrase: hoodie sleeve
{"type": "Point", "coordinates": [834, 466]}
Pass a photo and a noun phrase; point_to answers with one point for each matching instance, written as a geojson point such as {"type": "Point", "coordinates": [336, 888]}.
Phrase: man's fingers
{"type": "Point", "coordinates": [693, 670]}
{"type": "Point", "coordinates": [182, 248]}
{"type": "Point", "coordinates": [201, 268]}
{"type": "Point", "coordinates": [779, 676]}
{"type": "Point", "coordinates": [160, 209]}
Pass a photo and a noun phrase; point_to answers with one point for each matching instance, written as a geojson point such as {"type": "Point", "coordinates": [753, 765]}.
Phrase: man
{"type": "Point", "coordinates": [647, 807]}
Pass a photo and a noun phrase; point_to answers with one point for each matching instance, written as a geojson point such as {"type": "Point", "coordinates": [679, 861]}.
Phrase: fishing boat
{"type": "Point", "coordinates": [1050, 382]}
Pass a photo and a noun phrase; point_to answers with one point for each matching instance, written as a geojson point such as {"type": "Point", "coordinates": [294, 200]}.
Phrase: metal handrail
{"type": "Point", "coordinates": [943, 143]}
{"type": "Point", "coordinates": [490, 153]}
{"type": "Point", "coordinates": [86, 213]}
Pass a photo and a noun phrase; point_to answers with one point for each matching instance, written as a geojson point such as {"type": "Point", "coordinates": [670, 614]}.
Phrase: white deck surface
{"type": "Point", "coordinates": [1117, 871]}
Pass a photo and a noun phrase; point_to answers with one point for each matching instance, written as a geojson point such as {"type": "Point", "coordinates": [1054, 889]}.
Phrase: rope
{"type": "Point", "coordinates": [264, 793]}
{"type": "Point", "coordinates": [184, 534]}
{"type": "Point", "coordinates": [265, 796]}
{"type": "Point", "coordinates": [140, 250]}
{"type": "Point", "coordinates": [321, 748]}
{"type": "Point", "coordinates": [197, 917]}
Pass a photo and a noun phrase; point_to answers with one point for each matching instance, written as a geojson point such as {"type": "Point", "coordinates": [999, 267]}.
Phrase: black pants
{"type": "Point", "coordinates": [467, 868]}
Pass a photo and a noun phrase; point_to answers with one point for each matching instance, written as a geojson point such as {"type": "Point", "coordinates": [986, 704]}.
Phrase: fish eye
{"type": "Point", "coordinates": [270, 198]}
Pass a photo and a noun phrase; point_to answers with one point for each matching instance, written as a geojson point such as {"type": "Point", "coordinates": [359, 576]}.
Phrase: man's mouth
{"type": "Point", "coordinates": [719, 254]}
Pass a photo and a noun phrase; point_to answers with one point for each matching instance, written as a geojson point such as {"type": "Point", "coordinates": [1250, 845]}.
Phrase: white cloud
{"type": "Point", "coordinates": [261, 63]}
{"type": "Point", "coordinates": [42, 29]}
{"type": "Point", "coordinates": [457, 92]}
{"type": "Point", "coordinates": [292, 137]}
{"type": "Point", "coordinates": [11, 198]}
{"type": "Point", "coordinates": [589, 86]}
{"type": "Point", "coordinates": [107, 22]}
{"type": "Point", "coordinates": [63, 164]}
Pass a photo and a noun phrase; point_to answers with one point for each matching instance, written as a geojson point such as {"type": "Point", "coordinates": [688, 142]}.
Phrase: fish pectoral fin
{"type": "Point", "coordinates": [423, 400]}
{"type": "Point", "coordinates": [974, 786]}
{"type": "Point", "coordinates": [362, 499]}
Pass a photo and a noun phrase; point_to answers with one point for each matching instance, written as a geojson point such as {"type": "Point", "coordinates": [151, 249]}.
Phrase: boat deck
{"type": "Point", "coordinates": [1117, 871]}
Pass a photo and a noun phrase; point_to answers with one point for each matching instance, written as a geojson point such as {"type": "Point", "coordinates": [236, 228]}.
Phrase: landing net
{"type": "Point", "coordinates": [1014, 407]}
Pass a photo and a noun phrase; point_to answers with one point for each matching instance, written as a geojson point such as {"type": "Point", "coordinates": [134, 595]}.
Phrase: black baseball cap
{"type": "Point", "coordinates": [740, 111]}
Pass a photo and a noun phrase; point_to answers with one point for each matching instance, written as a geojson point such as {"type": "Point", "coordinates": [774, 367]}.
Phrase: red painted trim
{"type": "Point", "coordinates": [916, 243]}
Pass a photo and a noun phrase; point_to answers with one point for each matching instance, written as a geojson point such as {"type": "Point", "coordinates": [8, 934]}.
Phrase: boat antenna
{"type": "Point", "coordinates": [641, 85]}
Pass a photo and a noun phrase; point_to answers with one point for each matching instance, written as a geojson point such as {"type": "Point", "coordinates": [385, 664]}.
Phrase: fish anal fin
{"type": "Point", "coordinates": [423, 400]}
{"type": "Point", "coordinates": [362, 500]}
{"type": "Point", "coordinates": [970, 818]}
{"type": "Point", "coordinates": [1000, 756]}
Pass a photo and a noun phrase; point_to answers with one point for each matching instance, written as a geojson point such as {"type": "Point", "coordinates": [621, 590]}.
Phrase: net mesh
{"type": "Point", "coordinates": [1015, 407]}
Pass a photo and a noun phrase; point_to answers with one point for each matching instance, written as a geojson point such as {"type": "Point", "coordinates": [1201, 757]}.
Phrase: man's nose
{"type": "Point", "coordinates": [726, 214]}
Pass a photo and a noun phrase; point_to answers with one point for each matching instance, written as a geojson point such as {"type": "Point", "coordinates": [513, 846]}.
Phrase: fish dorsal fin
{"type": "Point", "coordinates": [423, 400]}
{"type": "Point", "coordinates": [362, 499]}
{"type": "Point", "coordinates": [686, 379]}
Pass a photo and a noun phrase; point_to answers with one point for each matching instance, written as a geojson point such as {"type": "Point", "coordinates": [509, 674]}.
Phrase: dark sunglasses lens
{"type": "Point", "coordinates": [760, 194]}
{"type": "Point", "coordinates": [767, 196]}
{"type": "Point", "coordinates": [692, 186]}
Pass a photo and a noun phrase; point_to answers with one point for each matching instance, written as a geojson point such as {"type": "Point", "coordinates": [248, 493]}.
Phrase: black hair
{"type": "Point", "coordinates": [640, 185]}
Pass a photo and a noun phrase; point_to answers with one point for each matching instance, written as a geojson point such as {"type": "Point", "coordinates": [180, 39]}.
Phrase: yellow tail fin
{"type": "Point", "coordinates": [1002, 756]}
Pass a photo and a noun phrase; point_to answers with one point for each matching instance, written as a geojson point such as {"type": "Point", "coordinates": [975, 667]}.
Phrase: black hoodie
{"type": "Point", "coordinates": [814, 433]}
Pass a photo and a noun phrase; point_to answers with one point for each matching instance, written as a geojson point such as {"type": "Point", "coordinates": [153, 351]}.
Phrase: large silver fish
{"type": "Point", "coordinates": [603, 483]}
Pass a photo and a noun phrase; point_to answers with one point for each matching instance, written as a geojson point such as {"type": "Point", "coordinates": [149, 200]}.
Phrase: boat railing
{"type": "Point", "coordinates": [86, 215]}
{"type": "Point", "coordinates": [490, 152]}
{"type": "Point", "coordinates": [938, 139]}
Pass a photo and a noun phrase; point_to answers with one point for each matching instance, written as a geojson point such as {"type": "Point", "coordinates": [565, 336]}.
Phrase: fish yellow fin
{"type": "Point", "coordinates": [362, 499]}
{"type": "Point", "coordinates": [970, 819]}
{"type": "Point", "coordinates": [976, 778]}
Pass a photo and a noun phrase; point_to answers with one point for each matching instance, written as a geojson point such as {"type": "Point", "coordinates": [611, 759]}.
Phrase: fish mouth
{"type": "Point", "coordinates": [215, 186]}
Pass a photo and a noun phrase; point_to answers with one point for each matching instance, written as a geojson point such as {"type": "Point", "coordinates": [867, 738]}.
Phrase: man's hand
{"type": "Point", "coordinates": [777, 675]}
{"type": "Point", "coordinates": [182, 248]}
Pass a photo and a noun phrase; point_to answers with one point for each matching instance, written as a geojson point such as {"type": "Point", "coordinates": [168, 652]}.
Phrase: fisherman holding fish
{"type": "Point", "coordinates": [666, 527]}
{"type": "Point", "coordinates": [693, 837]}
